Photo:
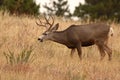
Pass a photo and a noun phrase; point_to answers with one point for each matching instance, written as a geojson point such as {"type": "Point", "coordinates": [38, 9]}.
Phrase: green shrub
{"type": "Point", "coordinates": [19, 7]}
{"type": "Point", "coordinates": [24, 57]}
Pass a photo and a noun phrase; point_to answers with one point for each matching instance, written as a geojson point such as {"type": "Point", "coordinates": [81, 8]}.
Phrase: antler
{"type": "Point", "coordinates": [45, 24]}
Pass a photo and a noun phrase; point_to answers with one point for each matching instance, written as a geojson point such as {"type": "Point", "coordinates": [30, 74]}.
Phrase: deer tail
{"type": "Point", "coordinates": [111, 32]}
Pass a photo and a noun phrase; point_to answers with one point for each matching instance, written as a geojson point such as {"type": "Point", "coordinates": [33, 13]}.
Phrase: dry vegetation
{"type": "Point", "coordinates": [52, 61]}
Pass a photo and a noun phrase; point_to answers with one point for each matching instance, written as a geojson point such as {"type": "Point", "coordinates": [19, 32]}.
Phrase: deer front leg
{"type": "Point", "coordinates": [72, 52]}
{"type": "Point", "coordinates": [79, 51]}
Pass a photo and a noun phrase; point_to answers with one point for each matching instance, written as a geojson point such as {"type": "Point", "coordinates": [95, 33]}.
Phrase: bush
{"type": "Point", "coordinates": [23, 58]}
{"type": "Point", "coordinates": [19, 7]}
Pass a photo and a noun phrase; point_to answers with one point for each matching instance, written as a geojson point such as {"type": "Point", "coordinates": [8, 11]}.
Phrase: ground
{"type": "Point", "coordinates": [52, 61]}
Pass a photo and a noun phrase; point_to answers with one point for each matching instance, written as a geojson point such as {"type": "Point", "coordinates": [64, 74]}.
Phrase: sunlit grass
{"type": "Point", "coordinates": [52, 61]}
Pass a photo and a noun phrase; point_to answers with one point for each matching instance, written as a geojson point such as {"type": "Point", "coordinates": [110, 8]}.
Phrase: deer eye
{"type": "Point", "coordinates": [44, 33]}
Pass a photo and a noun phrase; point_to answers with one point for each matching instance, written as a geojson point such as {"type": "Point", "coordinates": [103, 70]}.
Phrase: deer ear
{"type": "Point", "coordinates": [55, 27]}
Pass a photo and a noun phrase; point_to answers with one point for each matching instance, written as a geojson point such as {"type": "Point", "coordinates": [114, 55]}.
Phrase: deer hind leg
{"type": "Point", "coordinates": [101, 49]}
{"type": "Point", "coordinates": [102, 52]}
{"type": "Point", "coordinates": [109, 51]}
{"type": "Point", "coordinates": [72, 52]}
{"type": "Point", "coordinates": [79, 51]}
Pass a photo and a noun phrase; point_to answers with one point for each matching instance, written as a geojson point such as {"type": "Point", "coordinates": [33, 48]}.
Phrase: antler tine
{"type": "Point", "coordinates": [41, 23]}
{"type": "Point", "coordinates": [53, 20]}
{"type": "Point", "coordinates": [47, 20]}
{"type": "Point", "coordinates": [44, 24]}
{"type": "Point", "coordinates": [39, 20]}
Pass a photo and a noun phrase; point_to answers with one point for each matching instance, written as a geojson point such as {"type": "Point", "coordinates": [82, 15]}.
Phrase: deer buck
{"type": "Point", "coordinates": [77, 36]}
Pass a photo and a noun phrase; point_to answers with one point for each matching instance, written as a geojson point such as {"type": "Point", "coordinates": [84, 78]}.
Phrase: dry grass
{"type": "Point", "coordinates": [52, 60]}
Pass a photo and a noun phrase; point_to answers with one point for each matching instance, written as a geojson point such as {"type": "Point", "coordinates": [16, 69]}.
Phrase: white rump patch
{"type": "Point", "coordinates": [111, 32]}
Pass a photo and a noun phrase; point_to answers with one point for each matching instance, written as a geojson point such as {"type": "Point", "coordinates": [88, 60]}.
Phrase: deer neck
{"type": "Point", "coordinates": [59, 37]}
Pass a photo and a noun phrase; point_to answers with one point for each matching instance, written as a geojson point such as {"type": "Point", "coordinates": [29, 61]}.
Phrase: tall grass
{"type": "Point", "coordinates": [22, 58]}
{"type": "Point", "coordinates": [52, 60]}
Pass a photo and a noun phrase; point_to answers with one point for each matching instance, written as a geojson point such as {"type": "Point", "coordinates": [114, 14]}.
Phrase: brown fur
{"type": "Point", "coordinates": [77, 36]}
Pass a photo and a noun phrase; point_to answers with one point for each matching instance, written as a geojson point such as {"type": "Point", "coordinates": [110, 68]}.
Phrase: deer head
{"type": "Point", "coordinates": [50, 28]}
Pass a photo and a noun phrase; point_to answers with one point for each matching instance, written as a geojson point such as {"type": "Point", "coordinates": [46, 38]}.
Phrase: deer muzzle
{"type": "Point", "coordinates": [41, 40]}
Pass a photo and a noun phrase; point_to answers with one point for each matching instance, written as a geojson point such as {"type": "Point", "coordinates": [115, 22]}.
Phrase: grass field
{"type": "Point", "coordinates": [52, 61]}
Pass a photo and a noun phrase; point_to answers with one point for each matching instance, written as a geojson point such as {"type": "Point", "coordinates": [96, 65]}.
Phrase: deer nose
{"type": "Point", "coordinates": [41, 40]}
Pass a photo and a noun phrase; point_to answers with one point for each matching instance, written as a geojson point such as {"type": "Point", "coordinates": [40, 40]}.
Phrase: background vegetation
{"type": "Point", "coordinates": [99, 9]}
{"type": "Point", "coordinates": [52, 61]}
{"type": "Point", "coordinates": [23, 57]}
{"type": "Point", "coordinates": [19, 7]}
{"type": "Point", "coordinates": [92, 9]}
{"type": "Point", "coordinates": [59, 8]}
